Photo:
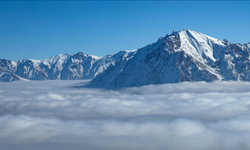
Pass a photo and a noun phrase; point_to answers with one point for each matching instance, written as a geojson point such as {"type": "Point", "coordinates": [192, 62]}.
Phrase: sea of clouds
{"type": "Point", "coordinates": [60, 115]}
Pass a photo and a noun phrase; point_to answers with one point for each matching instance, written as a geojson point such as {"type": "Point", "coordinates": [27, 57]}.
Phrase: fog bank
{"type": "Point", "coordinates": [191, 116]}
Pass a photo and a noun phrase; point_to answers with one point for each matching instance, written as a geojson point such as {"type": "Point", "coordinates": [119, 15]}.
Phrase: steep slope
{"type": "Point", "coordinates": [182, 56]}
{"type": "Point", "coordinates": [7, 69]}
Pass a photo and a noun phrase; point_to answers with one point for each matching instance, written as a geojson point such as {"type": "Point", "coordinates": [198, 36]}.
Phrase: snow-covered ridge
{"type": "Point", "coordinates": [60, 67]}
{"type": "Point", "coordinates": [180, 56]}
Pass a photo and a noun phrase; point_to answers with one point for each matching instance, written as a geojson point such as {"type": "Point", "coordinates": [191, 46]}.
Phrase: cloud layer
{"type": "Point", "coordinates": [191, 116]}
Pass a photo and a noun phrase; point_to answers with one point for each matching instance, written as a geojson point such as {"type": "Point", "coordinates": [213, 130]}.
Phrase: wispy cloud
{"type": "Point", "coordinates": [190, 116]}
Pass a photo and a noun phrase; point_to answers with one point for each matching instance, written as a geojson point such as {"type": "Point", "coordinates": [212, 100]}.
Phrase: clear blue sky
{"type": "Point", "coordinates": [41, 29]}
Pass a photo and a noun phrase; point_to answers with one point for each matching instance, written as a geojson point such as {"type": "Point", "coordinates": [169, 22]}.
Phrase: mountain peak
{"type": "Point", "coordinates": [79, 53]}
{"type": "Point", "coordinates": [182, 32]}
{"type": "Point", "coordinates": [186, 30]}
{"type": "Point", "coordinates": [197, 44]}
{"type": "Point", "coordinates": [174, 32]}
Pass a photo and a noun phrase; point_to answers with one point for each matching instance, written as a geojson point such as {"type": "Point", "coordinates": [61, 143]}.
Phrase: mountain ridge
{"type": "Point", "coordinates": [59, 67]}
{"type": "Point", "coordinates": [181, 56]}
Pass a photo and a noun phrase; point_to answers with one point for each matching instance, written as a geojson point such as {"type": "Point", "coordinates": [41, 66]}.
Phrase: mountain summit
{"type": "Point", "coordinates": [180, 56]}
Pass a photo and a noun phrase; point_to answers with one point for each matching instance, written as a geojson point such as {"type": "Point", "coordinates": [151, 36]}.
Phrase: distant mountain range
{"type": "Point", "coordinates": [59, 67]}
{"type": "Point", "coordinates": [181, 56]}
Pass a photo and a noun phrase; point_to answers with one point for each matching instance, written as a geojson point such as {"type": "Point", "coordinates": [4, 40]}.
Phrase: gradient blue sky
{"type": "Point", "coordinates": [41, 29]}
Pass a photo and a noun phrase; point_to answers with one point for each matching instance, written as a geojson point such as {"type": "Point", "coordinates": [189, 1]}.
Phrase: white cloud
{"type": "Point", "coordinates": [55, 96]}
{"type": "Point", "coordinates": [190, 116]}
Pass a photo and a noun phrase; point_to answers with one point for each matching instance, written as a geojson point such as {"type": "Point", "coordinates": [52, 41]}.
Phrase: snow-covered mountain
{"type": "Point", "coordinates": [59, 67]}
{"type": "Point", "coordinates": [181, 56]}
